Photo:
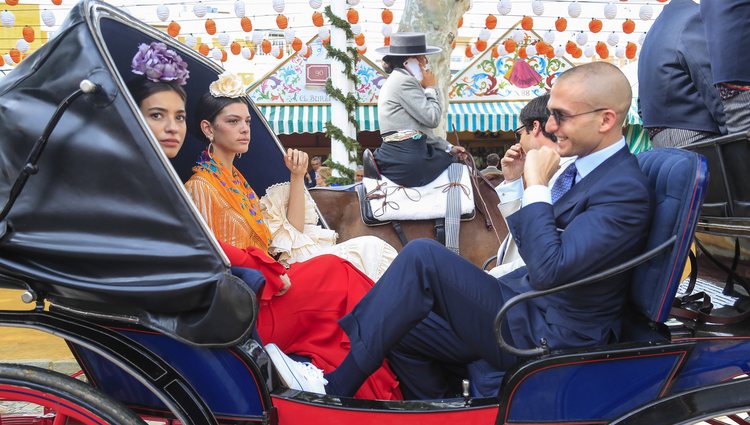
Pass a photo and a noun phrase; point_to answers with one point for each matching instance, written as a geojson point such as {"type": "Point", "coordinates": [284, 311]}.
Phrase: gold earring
{"type": "Point", "coordinates": [211, 148]}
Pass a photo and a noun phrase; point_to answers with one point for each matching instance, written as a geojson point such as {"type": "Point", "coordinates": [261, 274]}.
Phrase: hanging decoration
{"type": "Point", "coordinates": [386, 16]}
{"type": "Point", "coordinates": [223, 39]}
{"type": "Point", "coordinates": [203, 49]}
{"type": "Point", "coordinates": [247, 53]}
{"type": "Point", "coordinates": [460, 21]}
{"type": "Point", "coordinates": [235, 48]}
{"type": "Point", "coordinates": [8, 59]}
{"type": "Point", "coordinates": [504, 7]}
{"type": "Point", "coordinates": [352, 2]}
{"type": "Point", "coordinates": [216, 53]}
{"type": "Point", "coordinates": [481, 45]}
{"type": "Point", "coordinates": [386, 30]}
{"type": "Point", "coordinates": [630, 50]}
{"type": "Point", "coordinates": [278, 6]}
{"type": "Point", "coordinates": [57, 2]}
{"type": "Point", "coordinates": [200, 10]}
{"type": "Point", "coordinates": [589, 51]}
{"type": "Point", "coordinates": [559, 51]}
{"type": "Point", "coordinates": [510, 45]}
{"type": "Point", "coordinates": [389, 3]}
{"type": "Point", "coordinates": [356, 29]}
{"type": "Point", "coordinates": [48, 18]}
{"type": "Point", "coordinates": [613, 39]}
{"type": "Point", "coordinates": [191, 41]}
{"type": "Point", "coordinates": [517, 36]}
{"type": "Point", "coordinates": [162, 12]}
{"type": "Point", "coordinates": [549, 36]}
{"type": "Point", "coordinates": [258, 37]}
{"type": "Point", "coordinates": [173, 29]}
{"type": "Point", "coordinates": [490, 22]}
{"type": "Point", "coordinates": [239, 9]}
{"type": "Point", "coordinates": [11, 2]}
{"type": "Point", "coordinates": [246, 24]}
{"type": "Point", "coordinates": [574, 9]}
{"type": "Point", "coordinates": [527, 23]}
{"type": "Point", "coordinates": [22, 45]}
{"type": "Point", "coordinates": [210, 26]}
{"type": "Point", "coordinates": [602, 50]}
{"type": "Point", "coordinates": [641, 38]}
{"type": "Point", "coordinates": [28, 33]}
{"type": "Point", "coordinates": [628, 26]}
{"type": "Point", "coordinates": [620, 52]}
{"type": "Point", "coordinates": [361, 50]}
{"type": "Point", "coordinates": [315, 4]}
{"type": "Point", "coordinates": [15, 54]}
{"type": "Point", "coordinates": [348, 59]}
{"type": "Point", "coordinates": [265, 46]}
{"type": "Point", "coordinates": [8, 19]}
{"type": "Point", "coordinates": [582, 38]}
{"type": "Point", "coordinates": [537, 7]}
{"type": "Point", "coordinates": [570, 47]}
{"type": "Point", "coordinates": [282, 22]}
{"type": "Point", "coordinates": [296, 44]}
{"type": "Point", "coordinates": [646, 12]}
{"type": "Point", "coordinates": [289, 35]}
{"type": "Point", "coordinates": [610, 10]}
{"type": "Point", "coordinates": [359, 39]}
{"type": "Point", "coordinates": [561, 24]}
{"type": "Point", "coordinates": [2, 61]}
{"type": "Point", "coordinates": [595, 25]}
{"type": "Point", "coordinates": [324, 33]}
{"type": "Point", "coordinates": [317, 19]}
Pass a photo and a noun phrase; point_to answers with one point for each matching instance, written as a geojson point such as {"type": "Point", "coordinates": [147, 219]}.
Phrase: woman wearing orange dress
{"type": "Point", "coordinates": [299, 306]}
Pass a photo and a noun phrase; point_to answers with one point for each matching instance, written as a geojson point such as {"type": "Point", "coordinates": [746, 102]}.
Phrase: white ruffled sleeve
{"type": "Point", "coordinates": [287, 242]}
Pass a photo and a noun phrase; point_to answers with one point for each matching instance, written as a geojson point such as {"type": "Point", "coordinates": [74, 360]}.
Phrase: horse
{"type": "Point", "coordinates": [479, 238]}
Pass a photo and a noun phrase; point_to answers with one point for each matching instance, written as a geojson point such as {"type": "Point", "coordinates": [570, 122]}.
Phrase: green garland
{"type": "Point", "coordinates": [348, 58]}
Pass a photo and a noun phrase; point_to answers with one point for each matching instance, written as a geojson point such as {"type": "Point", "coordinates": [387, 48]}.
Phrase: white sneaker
{"type": "Point", "coordinates": [297, 375]}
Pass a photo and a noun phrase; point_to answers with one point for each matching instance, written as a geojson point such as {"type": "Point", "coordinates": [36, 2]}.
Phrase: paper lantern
{"type": "Point", "coordinates": [7, 18]}
{"type": "Point", "coordinates": [282, 22]}
{"type": "Point", "coordinates": [503, 7]}
{"type": "Point", "coordinates": [216, 53]}
{"type": "Point", "coordinates": [620, 51]}
{"type": "Point", "coordinates": [522, 53]}
{"type": "Point", "coordinates": [162, 12]}
{"type": "Point", "coordinates": [289, 35]}
{"type": "Point", "coordinates": [203, 49]}
{"type": "Point", "coordinates": [303, 51]}
{"type": "Point", "coordinates": [22, 45]}
{"type": "Point", "coordinates": [387, 16]}
{"type": "Point", "coordinates": [324, 33]}
{"type": "Point", "coordinates": [352, 16]}
{"type": "Point", "coordinates": [239, 9]}
{"type": "Point", "coordinates": [210, 26]}
{"type": "Point", "coordinates": [235, 48]}
{"type": "Point", "coordinates": [247, 53]}
{"type": "Point", "coordinates": [28, 33]}
{"type": "Point", "coordinates": [646, 12]}
{"type": "Point", "coordinates": [223, 55]}
{"type": "Point", "coordinates": [352, 2]}
{"type": "Point", "coordinates": [490, 22]}
{"type": "Point", "coordinates": [602, 50]}
{"type": "Point", "coordinates": [469, 54]}
{"type": "Point", "coordinates": [577, 53]}
{"type": "Point", "coordinates": [11, 2]}
{"type": "Point", "coordinates": [361, 50]}
{"type": "Point", "coordinates": [317, 19]}
{"type": "Point", "coordinates": [510, 45]}
{"type": "Point", "coordinates": [574, 10]}
{"type": "Point", "coordinates": [550, 53]}
{"type": "Point", "coordinates": [2, 61]}
{"type": "Point", "coordinates": [48, 18]}
{"type": "Point", "coordinates": [613, 39]}
{"type": "Point", "coordinates": [359, 39]}
{"type": "Point", "coordinates": [570, 47]}
{"type": "Point", "coordinates": [628, 26]}
{"type": "Point", "coordinates": [386, 30]}
{"type": "Point", "coordinates": [495, 52]}
{"type": "Point", "coordinates": [265, 46]}
{"type": "Point", "coordinates": [246, 24]}
{"type": "Point", "coordinates": [8, 59]}
{"type": "Point", "coordinates": [610, 10]}
{"type": "Point", "coordinates": [191, 40]}
{"type": "Point", "coordinates": [481, 45]}
{"type": "Point", "coordinates": [200, 10]}
{"type": "Point", "coordinates": [527, 23]}
{"type": "Point", "coordinates": [356, 29]}
{"type": "Point", "coordinates": [278, 6]}
{"type": "Point", "coordinates": [296, 44]}
{"type": "Point", "coordinates": [453, 45]}
{"type": "Point", "coordinates": [308, 52]}
{"type": "Point", "coordinates": [274, 51]}
{"type": "Point", "coordinates": [595, 25]}
{"type": "Point", "coordinates": [279, 53]}
{"type": "Point", "coordinates": [589, 51]}
{"type": "Point", "coordinates": [541, 47]}
{"type": "Point", "coordinates": [582, 38]}
{"type": "Point", "coordinates": [517, 36]}
{"type": "Point", "coordinates": [642, 38]}
{"type": "Point", "coordinates": [549, 36]}
{"type": "Point", "coordinates": [630, 50]}
{"type": "Point", "coordinates": [537, 7]}
{"type": "Point", "coordinates": [173, 29]}
{"type": "Point", "coordinates": [561, 24]}
{"type": "Point", "coordinates": [484, 34]}
{"type": "Point", "coordinates": [460, 22]}
{"type": "Point", "coordinates": [15, 54]}
{"type": "Point", "coordinates": [57, 2]}
{"type": "Point", "coordinates": [559, 51]}
{"type": "Point", "coordinates": [315, 4]}
{"type": "Point", "coordinates": [223, 39]}
{"type": "Point", "coordinates": [258, 37]}
{"type": "Point", "coordinates": [389, 3]}
{"type": "Point", "coordinates": [531, 50]}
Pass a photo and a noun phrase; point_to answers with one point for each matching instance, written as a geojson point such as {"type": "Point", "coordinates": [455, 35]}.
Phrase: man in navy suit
{"type": "Point", "coordinates": [600, 221]}
{"type": "Point", "coordinates": [726, 31]}
{"type": "Point", "coordinates": [677, 98]}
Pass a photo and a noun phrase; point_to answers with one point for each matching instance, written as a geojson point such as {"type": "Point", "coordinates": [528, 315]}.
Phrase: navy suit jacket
{"type": "Point", "coordinates": [602, 221]}
{"type": "Point", "coordinates": [675, 87]}
{"type": "Point", "coordinates": [726, 31]}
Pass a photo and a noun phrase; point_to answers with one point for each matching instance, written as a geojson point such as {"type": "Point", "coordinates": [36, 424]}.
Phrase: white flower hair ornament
{"type": "Point", "coordinates": [228, 85]}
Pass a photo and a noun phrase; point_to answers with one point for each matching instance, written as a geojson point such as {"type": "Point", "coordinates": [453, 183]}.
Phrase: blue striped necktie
{"type": "Point", "coordinates": [564, 182]}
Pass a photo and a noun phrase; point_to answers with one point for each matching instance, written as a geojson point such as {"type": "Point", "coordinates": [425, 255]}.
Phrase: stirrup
{"type": "Point", "coordinates": [371, 170]}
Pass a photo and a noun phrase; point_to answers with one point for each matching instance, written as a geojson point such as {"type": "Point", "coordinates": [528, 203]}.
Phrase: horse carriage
{"type": "Point", "coordinates": [117, 261]}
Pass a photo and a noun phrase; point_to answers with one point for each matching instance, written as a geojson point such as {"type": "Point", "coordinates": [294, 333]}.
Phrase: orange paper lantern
{"type": "Point", "coordinates": [630, 50]}
{"type": "Point", "coordinates": [522, 53]}
{"type": "Point", "coordinates": [460, 22]}
{"type": "Point", "coordinates": [15, 54]}
{"type": "Point", "coordinates": [265, 46]}
{"type": "Point", "coordinates": [527, 23]}
{"type": "Point", "coordinates": [28, 33]}
{"type": "Point", "coordinates": [453, 45]}
{"type": "Point", "coordinates": [2, 61]}
{"type": "Point", "coordinates": [57, 2]}
{"type": "Point", "coordinates": [223, 55]}
{"type": "Point", "coordinates": [577, 53]}
{"type": "Point", "coordinates": [481, 45]}
{"type": "Point", "coordinates": [490, 22]}
{"type": "Point", "coordinates": [510, 45]}
{"type": "Point", "coordinates": [173, 29]}
{"type": "Point", "coordinates": [359, 39]}
{"type": "Point", "coordinates": [246, 24]}
{"type": "Point", "coordinates": [282, 22]}
{"type": "Point", "coordinates": [252, 54]}
{"type": "Point", "coordinates": [235, 48]}
{"type": "Point", "coordinates": [541, 47]}
{"type": "Point", "coordinates": [495, 52]}
{"type": "Point", "coordinates": [386, 16]}
{"type": "Point", "coordinates": [296, 44]}
{"type": "Point", "coordinates": [561, 24]}
{"type": "Point", "coordinates": [570, 47]}
{"type": "Point", "coordinates": [309, 52]}
{"type": "Point", "coordinates": [317, 19]}
{"type": "Point", "coordinates": [595, 25]}
{"type": "Point", "coordinates": [203, 49]}
{"type": "Point", "coordinates": [602, 50]}
{"type": "Point", "coordinates": [362, 50]}
{"type": "Point", "coordinates": [210, 26]}
{"type": "Point", "coordinates": [628, 26]}
{"type": "Point", "coordinates": [550, 53]}
{"type": "Point", "coordinates": [387, 41]}
{"type": "Point", "coordinates": [280, 54]}
{"type": "Point", "coordinates": [11, 2]}
{"type": "Point", "coordinates": [468, 52]}
{"type": "Point", "coordinates": [352, 16]}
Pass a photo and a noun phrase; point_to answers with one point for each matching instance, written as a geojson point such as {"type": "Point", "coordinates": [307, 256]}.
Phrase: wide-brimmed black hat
{"type": "Point", "coordinates": [408, 44]}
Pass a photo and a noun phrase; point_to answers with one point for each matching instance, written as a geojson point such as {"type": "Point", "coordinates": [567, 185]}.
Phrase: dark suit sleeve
{"type": "Point", "coordinates": [608, 230]}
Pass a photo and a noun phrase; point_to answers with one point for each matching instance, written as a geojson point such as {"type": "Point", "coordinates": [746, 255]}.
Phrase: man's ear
{"type": "Point", "coordinates": [537, 128]}
{"type": "Point", "coordinates": [609, 120]}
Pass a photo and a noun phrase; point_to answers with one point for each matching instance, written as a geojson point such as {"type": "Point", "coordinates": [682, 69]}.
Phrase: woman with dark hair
{"type": "Point", "coordinates": [299, 306]}
{"type": "Point", "coordinates": [408, 111]}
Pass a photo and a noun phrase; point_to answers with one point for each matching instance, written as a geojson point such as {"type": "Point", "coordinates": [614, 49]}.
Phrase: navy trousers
{"type": "Point", "coordinates": [430, 309]}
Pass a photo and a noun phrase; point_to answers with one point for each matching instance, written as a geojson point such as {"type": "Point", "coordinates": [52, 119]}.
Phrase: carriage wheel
{"type": "Point", "coordinates": [34, 396]}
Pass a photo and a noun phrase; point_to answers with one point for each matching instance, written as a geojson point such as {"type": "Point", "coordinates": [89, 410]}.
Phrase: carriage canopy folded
{"type": "Point", "coordinates": [105, 223]}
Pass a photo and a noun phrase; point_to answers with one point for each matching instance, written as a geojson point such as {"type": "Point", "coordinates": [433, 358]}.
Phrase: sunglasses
{"type": "Point", "coordinates": [561, 117]}
{"type": "Point", "coordinates": [518, 134]}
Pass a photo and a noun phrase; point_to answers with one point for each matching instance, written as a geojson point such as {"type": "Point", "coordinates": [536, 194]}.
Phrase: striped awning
{"type": "Point", "coordinates": [474, 116]}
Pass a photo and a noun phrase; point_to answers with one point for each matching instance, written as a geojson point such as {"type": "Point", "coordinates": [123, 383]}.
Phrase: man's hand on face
{"type": "Point", "coordinates": [512, 163]}
{"type": "Point", "coordinates": [541, 164]}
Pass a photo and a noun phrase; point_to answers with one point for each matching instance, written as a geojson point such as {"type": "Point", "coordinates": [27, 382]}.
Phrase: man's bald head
{"type": "Point", "coordinates": [601, 85]}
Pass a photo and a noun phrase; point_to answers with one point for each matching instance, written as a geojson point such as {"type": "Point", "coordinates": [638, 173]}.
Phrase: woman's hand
{"type": "Point", "coordinates": [459, 152]}
{"type": "Point", "coordinates": [296, 161]}
{"type": "Point", "coordinates": [428, 78]}
{"type": "Point", "coordinates": [287, 285]}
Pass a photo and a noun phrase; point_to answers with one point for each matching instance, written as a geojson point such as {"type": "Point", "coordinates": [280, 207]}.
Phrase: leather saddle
{"type": "Point", "coordinates": [371, 169]}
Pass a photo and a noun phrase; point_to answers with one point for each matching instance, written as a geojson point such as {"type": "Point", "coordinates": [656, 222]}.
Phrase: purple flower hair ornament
{"type": "Point", "coordinates": [158, 63]}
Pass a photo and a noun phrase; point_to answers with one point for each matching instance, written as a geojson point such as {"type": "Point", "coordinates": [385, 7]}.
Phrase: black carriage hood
{"type": "Point", "coordinates": [105, 223]}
